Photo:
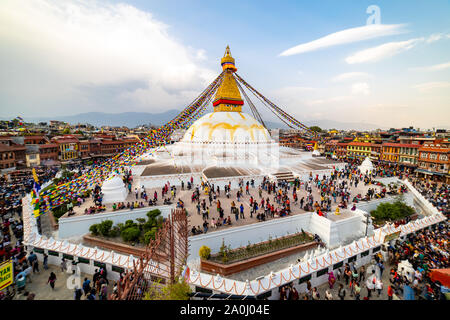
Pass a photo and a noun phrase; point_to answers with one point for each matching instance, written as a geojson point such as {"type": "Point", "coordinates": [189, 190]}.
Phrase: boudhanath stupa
{"type": "Point", "coordinates": [227, 144]}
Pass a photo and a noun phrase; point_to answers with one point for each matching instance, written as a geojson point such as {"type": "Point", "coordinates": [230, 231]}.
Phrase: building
{"type": "Point", "coordinates": [341, 150]}
{"type": "Point", "coordinates": [375, 152]}
{"type": "Point", "coordinates": [359, 150]}
{"type": "Point", "coordinates": [7, 158]}
{"type": "Point", "coordinates": [390, 152]}
{"type": "Point", "coordinates": [409, 154]}
{"type": "Point", "coordinates": [68, 148]}
{"type": "Point", "coordinates": [434, 160]}
{"type": "Point", "coordinates": [48, 154]}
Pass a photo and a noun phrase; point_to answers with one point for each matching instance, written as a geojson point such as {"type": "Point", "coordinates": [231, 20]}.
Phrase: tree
{"type": "Point", "coordinates": [66, 131]}
{"type": "Point", "coordinates": [130, 234]}
{"type": "Point", "coordinates": [315, 129]}
{"type": "Point", "coordinates": [204, 252]}
{"type": "Point", "coordinates": [105, 227]}
{"type": "Point", "coordinates": [179, 290]}
{"type": "Point", "coordinates": [94, 229]}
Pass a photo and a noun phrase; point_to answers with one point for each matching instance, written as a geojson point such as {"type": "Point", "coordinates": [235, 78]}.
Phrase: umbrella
{"type": "Point", "coordinates": [441, 275]}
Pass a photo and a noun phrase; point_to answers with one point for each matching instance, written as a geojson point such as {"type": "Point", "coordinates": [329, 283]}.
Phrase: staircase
{"type": "Point", "coordinates": [285, 176]}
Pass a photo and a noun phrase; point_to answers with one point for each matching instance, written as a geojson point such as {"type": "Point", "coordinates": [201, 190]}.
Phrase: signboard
{"type": "Point", "coordinates": [391, 236]}
{"type": "Point", "coordinates": [6, 274]}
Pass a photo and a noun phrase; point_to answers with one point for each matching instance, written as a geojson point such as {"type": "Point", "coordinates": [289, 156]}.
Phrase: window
{"type": "Point", "coordinates": [352, 259]}
{"type": "Point", "coordinates": [38, 250]}
{"type": "Point", "coordinates": [304, 279]}
{"type": "Point", "coordinates": [264, 295]}
{"type": "Point", "coordinates": [338, 265]}
{"type": "Point", "coordinates": [203, 290]}
{"type": "Point", "coordinates": [443, 157]}
{"type": "Point", "coordinates": [100, 264]}
{"type": "Point", "coordinates": [83, 260]}
{"type": "Point", "coordinates": [365, 253]}
{"type": "Point", "coordinates": [433, 156]}
{"type": "Point", "coordinates": [67, 256]}
{"type": "Point", "coordinates": [376, 249]}
{"type": "Point", "coordinates": [322, 272]}
{"type": "Point", "coordinates": [117, 269]}
{"type": "Point", "coordinates": [53, 253]}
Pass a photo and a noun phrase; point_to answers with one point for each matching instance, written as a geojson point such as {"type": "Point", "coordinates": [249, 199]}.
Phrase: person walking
{"type": "Point", "coordinates": [51, 280]}
{"type": "Point", "coordinates": [341, 292]}
{"type": "Point", "coordinates": [45, 263]}
{"type": "Point", "coordinates": [36, 266]}
{"type": "Point", "coordinates": [78, 293]}
{"type": "Point", "coordinates": [63, 265]}
{"type": "Point", "coordinates": [86, 286]}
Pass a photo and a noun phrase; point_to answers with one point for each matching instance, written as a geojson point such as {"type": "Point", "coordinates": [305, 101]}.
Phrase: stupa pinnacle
{"type": "Point", "coordinates": [228, 98]}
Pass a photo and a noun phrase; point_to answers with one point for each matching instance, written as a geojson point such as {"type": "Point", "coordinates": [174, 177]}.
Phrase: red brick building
{"type": "Point", "coordinates": [434, 160]}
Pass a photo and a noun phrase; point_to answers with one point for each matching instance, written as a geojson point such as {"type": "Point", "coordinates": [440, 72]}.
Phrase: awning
{"type": "Point", "coordinates": [441, 275]}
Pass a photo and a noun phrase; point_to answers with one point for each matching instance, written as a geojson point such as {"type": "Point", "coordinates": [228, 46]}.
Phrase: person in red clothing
{"type": "Point", "coordinates": [390, 292]}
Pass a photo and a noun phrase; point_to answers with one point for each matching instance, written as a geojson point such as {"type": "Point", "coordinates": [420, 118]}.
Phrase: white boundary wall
{"type": "Point", "coordinates": [78, 226]}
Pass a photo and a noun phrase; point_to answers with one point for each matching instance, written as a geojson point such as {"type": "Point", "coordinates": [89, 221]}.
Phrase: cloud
{"type": "Point", "coordinates": [361, 88]}
{"type": "Point", "coordinates": [329, 100]}
{"type": "Point", "coordinates": [436, 67]}
{"type": "Point", "coordinates": [350, 76]}
{"type": "Point", "coordinates": [436, 37]}
{"type": "Point", "coordinates": [347, 36]}
{"type": "Point", "coordinates": [381, 52]}
{"type": "Point", "coordinates": [67, 46]}
{"type": "Point", "coordinates": [390, 49]}
{"type": "Point", "coordinates": [429, 86]}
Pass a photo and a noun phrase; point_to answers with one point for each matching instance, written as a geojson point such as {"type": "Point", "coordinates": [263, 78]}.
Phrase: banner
{"type": "Point", "coordinates": [6, 274]}
{"type": "Point", "coordinates": [391, 236]}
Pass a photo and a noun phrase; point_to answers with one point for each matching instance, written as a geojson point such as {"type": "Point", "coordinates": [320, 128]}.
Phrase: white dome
{"type": "Point", "coordinates": [113, 182]}
{"type": "Point", "coordinates": [114, 190]}
{"type": "Point", "coordinates": [366, 166]}
{"type": "Point", "coordinates": [228, 127]}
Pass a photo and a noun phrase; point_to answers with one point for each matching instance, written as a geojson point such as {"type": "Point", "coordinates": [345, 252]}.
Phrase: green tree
{"type": "Point", "coordinates": [105, 227]}
{"type": "Point", "coordinates": [130, 234]}
{"type": "Point", "coordinates": [179, 290]}
{"type": "Point", "coordinates": [204, 252]}
{"type": "Point", "coordinates": [315, 129]}
{"type": "Point", "coordinates": [94, 229]}
{"type": "Point", "coordinates": [66, 131]}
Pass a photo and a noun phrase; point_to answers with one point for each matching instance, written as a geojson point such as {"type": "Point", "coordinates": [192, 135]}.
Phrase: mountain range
{"type": "Point", "coordinates": [134, 119]}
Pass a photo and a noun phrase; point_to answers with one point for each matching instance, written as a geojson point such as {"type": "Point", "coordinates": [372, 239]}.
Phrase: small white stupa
{"type": "Point", "coordinates": [114, 189]}
{"type": "Point", "coordinates": [366, 166]}
{"type": "Point", "coordinates": [316, 152]}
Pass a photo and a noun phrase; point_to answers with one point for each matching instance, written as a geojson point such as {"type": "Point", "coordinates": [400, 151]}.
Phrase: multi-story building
{"type": "Point", "coordinates": [375, 152]}
{"type": "Point", "coordinates": [341, 150]}
{"type": "Point", "coordinates": [48, 154]}
{"type": "Point", "coordinates": [434, 160]}
{"type": "Point", "coordinates": [358, 150]}
{"type": "Point", "coordinates": [409, 154]}
{"type": "Point", "coordinates": [68, 148]}
{"type": "Point", "coordinates": [84, 149]}
{"type": "Point", "coordinates": [7, 158]}
{"type": "Point", "coordinates": [390, 152]}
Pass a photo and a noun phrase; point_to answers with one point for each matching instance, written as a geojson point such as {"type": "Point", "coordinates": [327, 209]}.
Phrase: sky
{"type": "Point", "coordinates": [380, 62]}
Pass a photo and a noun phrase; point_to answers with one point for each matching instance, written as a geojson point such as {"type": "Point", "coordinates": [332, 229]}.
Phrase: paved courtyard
{"type": "Point", "coordinates": [197, 220]}
{"type": "Point", "coordinates": [64, 285]}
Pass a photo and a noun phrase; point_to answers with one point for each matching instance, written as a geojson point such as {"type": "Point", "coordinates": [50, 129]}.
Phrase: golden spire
{"type": "Point", "coordinates": [228, 61]}
{"type": "Point", "coordinates": [228, 97]}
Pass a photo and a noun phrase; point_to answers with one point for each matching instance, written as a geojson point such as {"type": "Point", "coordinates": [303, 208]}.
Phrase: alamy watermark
{"type": "Point", "coordinates": [375, 15]}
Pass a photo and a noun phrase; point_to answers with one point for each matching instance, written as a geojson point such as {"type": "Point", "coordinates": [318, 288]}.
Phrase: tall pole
{"type": "Point", "coordinates": [172, 249]}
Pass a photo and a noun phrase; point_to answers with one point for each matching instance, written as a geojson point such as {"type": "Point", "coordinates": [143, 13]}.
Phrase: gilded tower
{"type": "Point", "coordinates": [228, 98]}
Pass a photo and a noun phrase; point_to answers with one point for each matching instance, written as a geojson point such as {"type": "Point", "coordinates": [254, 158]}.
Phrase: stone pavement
{"type": "Point", "coordinates": [63, 289]}
{"type": "Point", "coordinates": [197, 220]}
{"type": "Point", "coordinates": [374, 296]}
